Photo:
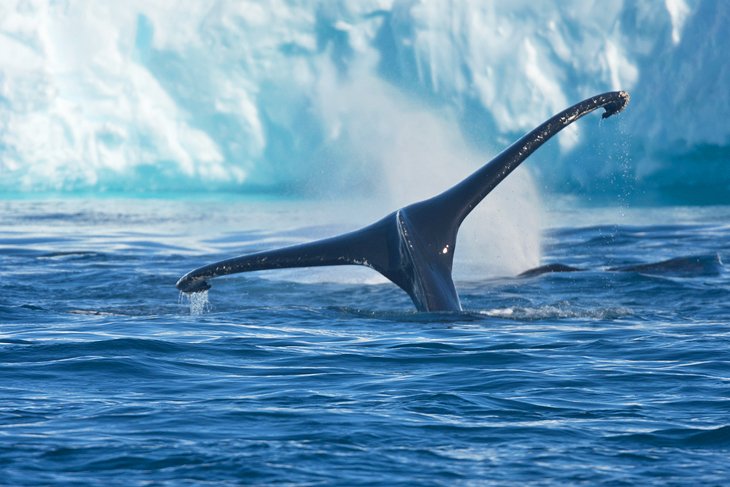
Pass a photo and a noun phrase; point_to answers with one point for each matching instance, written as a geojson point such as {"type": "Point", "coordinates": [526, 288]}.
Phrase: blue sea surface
{"type": "Point", "coordinates": [598, 377]}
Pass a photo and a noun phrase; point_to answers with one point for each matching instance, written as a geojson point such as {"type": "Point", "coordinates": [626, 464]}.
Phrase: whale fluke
{"type": "Point", "coordinates": [413, 246]}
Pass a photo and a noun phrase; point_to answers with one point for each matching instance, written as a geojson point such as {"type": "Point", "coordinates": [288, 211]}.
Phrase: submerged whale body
{"type": "Point", "coordinates": [695, 265]}
{"type": "Point", "coordinates": [413, 246]}
{"type": "Point", "coordinates": [548, 269]}
{"type": "Point", "coordinates": [689, 266]}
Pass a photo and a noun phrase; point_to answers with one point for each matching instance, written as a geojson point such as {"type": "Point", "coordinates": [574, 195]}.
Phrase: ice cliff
{"type": "Point", "coordinates": [309, 97]}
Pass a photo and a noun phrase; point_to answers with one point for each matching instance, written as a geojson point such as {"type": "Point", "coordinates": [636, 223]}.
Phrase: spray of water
{"type": "Point", "coordinates": [398, 150]}
{"type": "Point", "coordinates": [199, 304]}
{"type": "Point", "coordinates": [411, 151]}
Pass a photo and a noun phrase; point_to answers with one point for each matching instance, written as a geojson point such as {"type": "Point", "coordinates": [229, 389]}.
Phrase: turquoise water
{"type": "Point", "coordinates": [330, 377]}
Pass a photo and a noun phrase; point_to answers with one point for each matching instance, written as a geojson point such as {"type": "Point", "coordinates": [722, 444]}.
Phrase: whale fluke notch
{"type": "Point", "coordinates": [413, 246]}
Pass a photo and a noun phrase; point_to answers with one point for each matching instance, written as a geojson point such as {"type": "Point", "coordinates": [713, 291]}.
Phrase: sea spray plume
{"type": "Point", "coordinates": [413, 246]}
{"type": "Point", "coordinates": [421, 150]}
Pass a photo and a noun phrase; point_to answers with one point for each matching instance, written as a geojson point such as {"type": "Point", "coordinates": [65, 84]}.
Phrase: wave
{"type": "Point", "coordinates": [549, 312]}
{"type": "Point", "coordinates": [683, 437]}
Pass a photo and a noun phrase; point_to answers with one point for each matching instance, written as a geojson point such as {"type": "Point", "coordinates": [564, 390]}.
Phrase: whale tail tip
{"type": "Point", "coordinates": [618, 105]}
{"type": "Point", "coordinates": [188, 285]}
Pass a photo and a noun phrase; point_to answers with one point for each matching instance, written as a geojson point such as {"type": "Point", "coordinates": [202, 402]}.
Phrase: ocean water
{"type": "Point", "coordinates": [329, 376]}
{"type": "Point", "coordinates": [139, 141]}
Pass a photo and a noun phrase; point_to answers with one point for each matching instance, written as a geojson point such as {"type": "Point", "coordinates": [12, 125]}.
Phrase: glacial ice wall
{"type": "Point", "coordinates": [308, 97]}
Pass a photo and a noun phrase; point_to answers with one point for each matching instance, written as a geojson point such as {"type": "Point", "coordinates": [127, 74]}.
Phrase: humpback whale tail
{"type": "Point", "coordinates": [413, 246]}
